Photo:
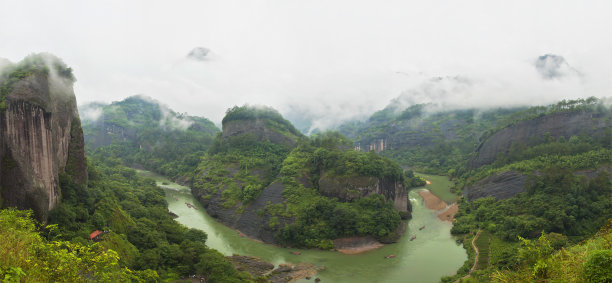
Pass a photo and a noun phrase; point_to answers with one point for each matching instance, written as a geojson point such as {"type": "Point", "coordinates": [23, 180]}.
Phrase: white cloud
{"type": "Point", "coordinates": [331, 59]}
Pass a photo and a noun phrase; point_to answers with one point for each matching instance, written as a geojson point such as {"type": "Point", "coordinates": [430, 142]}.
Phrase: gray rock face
{"type": "Point", "coordinates": [40, 137]}
{"type": "Point", "coordinates": [258, 128]}
{"type": "Point", "coordinates": [348, 189]}
{"type": "Point", "coordinates": [500, 186]}
{"type": "Point", "coordinates": [248, 222]}
{"type": "Point", "coordinates": [563, 124]}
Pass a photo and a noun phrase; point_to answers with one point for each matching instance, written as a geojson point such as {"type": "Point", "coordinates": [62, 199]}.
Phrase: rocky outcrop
{"type": "Point", "coordinates": [260, 129]}
{"type": "Point", "coordinates": [40, 137]}
{"type": "Point", "coordinates": [500, 186]}
{"type": "Point", "coordinates": [285, 272]}
{"type": "Point", "coordinates": [354, 187]}
{"type": "Point", "coordinates": [248, 222]}
{"type": "Point", "coordinates": [104, 134]}
{"type": "Point", "coordinates": [531, 132]}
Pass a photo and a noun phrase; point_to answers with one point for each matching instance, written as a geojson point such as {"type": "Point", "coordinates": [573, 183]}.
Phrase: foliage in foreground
{"type": "Point", "coordinates": [143, 236]}
{"type": "Point", "coordinates": [26, 255]}
{"type": "Point", "coordinates": [589, 261]}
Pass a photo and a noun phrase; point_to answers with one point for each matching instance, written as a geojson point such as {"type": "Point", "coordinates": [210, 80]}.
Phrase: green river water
{"type": "Point", "coordinates": [433, 254]}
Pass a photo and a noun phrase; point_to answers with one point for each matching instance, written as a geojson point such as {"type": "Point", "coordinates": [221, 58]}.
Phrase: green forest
{"type": "Point", "coordinates": [143, 133]}
{"type": "Point", "coordinates": [240, 167]}
{"type": "Point", "coordinates": [143, 242]}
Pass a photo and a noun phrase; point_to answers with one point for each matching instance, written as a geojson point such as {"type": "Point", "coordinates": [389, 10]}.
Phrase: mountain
{"type": "Point", "coordinates": [40, 134]}
{"type": "Point", "coordinates": [579, 131]}
{"type": "Point", "coordinates": [525, 173]}
{"type": "Point", "coordinates": [264, 178]}
{"type": "Point", "coordinates": [423, 138]}
{"type": "Point", "coordinates": [144, 133]}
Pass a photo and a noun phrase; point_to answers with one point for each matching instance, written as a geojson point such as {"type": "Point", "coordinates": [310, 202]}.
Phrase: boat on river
{"type": "Point", "coordinates": [413, 237]}
{"type": "Point", "coordinates": [390, 256]}
{"type": "Point", "coordinates": [422, 227]}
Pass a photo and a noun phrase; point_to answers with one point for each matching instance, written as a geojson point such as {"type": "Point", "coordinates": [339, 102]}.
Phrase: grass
{"type": "Point", "coordinates": [482, 242]}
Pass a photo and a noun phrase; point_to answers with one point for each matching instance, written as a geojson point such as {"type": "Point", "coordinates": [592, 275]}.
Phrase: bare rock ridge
{"type": "Point", "coordinates": [40, 137]}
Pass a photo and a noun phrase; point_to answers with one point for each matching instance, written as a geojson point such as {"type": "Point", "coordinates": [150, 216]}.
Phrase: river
{"type": "Point", "coordinates": [433, 254]}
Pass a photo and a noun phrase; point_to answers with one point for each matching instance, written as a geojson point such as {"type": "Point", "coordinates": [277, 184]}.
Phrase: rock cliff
{"type": "Point", "coordinates": [40, 137]}
{"type": "Point", "coordinates": [531, 132]}
{"type": "Point", "coordinates": [500, 186]}
{"type": "Point", "coordinates": [354, 187]}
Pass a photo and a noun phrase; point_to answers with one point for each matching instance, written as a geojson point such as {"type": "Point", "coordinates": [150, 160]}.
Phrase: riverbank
{"type": "Point", "coordinates": [356, 245]}
{"type": "Point", "coordinates": [418, 260]}
{"type": "Point", "coordinates": [445, 212]}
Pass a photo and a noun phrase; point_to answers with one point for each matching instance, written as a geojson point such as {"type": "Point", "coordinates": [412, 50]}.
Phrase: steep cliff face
{"type": "Point", "coordinates": [40, 137]}
{"type": "Point", "coordinates": [531, 132]}
{"type": "Point", "coordinates": [500, 186]}
{"type": "Point", "coordinates": [354, 187]}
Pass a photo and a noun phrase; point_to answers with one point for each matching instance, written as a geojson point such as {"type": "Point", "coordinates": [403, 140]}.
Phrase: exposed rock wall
{"type": "Point", "coordinates": [40, 137]}
{"type": "Point", "coordinates": [500, 186]}
{"type": "Point", "coordinates": [350, 188]}
{"type": "Point", "coordinates": [510, 183]}
{"type": "Point", "coordinates": [562, 124]}
{"type": "Point", "coordinates": [248, 222]}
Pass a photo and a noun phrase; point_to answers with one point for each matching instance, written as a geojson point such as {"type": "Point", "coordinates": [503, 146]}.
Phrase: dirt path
{"type": "Point", "coordinates": [475, 258]}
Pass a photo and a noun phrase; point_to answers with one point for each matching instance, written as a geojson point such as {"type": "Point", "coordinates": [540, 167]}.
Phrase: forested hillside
{"type": "Point", "coordinates": [424, 139]}
{"type": "Point", "coordinates": [264, 178]}
{"type": "Point", "coordinates": [144, 133]}
{"type": "Point", "coordinates": [140, 229]}
{"type": "Point", "coordinates": [524, 173]}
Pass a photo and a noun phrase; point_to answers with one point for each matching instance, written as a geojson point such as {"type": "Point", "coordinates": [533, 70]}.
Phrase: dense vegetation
{"type": "Point", "coordinates": [142, 234]}
{"type": "Point", "coordinates": [32, 64]}
{"type": "Point", "coordinates": [240, 167]}
{"type": "Point", "coordinates": [543, 259]}
{"type": "Point", "coordinates": [27, 255]}
{"type": "Point", "coordinates": [555, 201]}
{"type": "Point", "coordinates": [141, 132]}
{"type": "Point", "coordinates": [560, 204]}
{"type": "Point", "coordinates": [319, 219]}
{"type": "Point", "coordinates": [430, 142]}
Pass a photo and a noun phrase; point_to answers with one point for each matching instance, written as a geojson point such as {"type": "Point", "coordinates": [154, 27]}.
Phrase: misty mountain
{"type": "Point", "coordinates": [151, 134]}
{"type": "Point", "coordinates": [551, 66]}
{"type": "Point", "coordinates": [198, 54]}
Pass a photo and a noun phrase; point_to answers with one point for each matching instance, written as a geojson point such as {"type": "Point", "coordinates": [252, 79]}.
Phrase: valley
{"type": "Point", "coordinates": [407, 194]}
{"type": "Point", "coordinates": [433, 254]}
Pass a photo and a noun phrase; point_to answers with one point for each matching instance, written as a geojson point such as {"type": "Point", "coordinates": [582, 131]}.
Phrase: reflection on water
{"type": "Point", "coordinates": [433, 254]}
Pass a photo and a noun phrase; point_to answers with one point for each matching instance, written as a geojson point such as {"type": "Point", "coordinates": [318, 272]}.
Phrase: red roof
{"type": "Point", "coordinates": [94, 234]}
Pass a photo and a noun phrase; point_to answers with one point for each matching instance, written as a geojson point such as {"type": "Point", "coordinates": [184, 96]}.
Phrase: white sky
{"type": "Point", "coordinates": [329, 60]}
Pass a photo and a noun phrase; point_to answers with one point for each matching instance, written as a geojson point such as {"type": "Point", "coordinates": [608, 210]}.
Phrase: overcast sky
{"type": "Point", "coordinates": [331, 60]}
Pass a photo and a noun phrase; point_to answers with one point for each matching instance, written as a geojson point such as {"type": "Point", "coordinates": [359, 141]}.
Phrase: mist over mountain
{"type": "Point", "coordinates": [198, 53]}
{"type": "Point", "coordinates": [551, 66]}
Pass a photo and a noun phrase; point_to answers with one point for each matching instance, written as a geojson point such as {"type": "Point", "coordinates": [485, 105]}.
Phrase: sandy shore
{"type": "Point", "coordinates": [449, 213]}
{"type": "Point", "coordinates": [356, 245]}
{"type": "Point", "coordinates": [432, 201]}
{"type": "Point", "coordinates": [446, 212]}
